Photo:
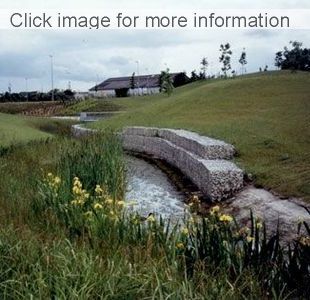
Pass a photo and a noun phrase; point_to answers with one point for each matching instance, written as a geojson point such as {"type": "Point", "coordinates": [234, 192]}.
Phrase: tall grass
{"type": "Point", "coordinates": [67, 233]}
{"type": "Point", "coordinates": [95, 160]}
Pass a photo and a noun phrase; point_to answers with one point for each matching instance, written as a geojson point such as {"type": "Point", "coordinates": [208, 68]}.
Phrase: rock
{"type": "Point", "coordinates": [269, 208]}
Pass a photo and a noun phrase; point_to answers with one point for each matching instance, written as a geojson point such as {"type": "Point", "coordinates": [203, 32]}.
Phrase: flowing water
{"type": "Point", "coordinates": [152, 191]}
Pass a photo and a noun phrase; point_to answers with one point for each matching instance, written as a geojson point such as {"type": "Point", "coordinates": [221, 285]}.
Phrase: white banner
{"type": "Point", "coordinates": [155, 19]}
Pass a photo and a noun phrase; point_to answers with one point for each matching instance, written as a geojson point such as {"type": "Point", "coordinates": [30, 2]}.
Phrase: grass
{"type": "Point", "coordinates": [90, 106]}
{"type": "Point", "coordinates": [65, 232]}
{"type": "Point", "coordinates": [266, 116]}
{"type": "Point", "coordinates": [29, 107]}
{"type": "Point", "coordinates": [16, 129]}
{"type": "Point", "coordinates": [65, 237]}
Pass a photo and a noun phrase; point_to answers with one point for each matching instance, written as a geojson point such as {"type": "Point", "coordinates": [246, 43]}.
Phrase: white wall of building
{"type": "Point", "coordinates": [131, 92]}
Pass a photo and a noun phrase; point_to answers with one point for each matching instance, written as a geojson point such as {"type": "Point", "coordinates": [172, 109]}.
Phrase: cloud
{"type": "Point", "coordinates": [83, 56]}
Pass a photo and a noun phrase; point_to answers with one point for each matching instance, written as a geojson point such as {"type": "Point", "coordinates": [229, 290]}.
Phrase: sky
{"type": "Point", "coordinates": [85, 57]}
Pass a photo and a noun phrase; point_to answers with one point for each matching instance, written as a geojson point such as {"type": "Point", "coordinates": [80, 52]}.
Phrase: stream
{"type": "Point", "coordinates": [152, 191]}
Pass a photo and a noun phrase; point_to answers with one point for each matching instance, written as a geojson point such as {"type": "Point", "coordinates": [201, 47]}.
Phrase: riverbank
{"type": "Point", "coordinates": [64, 232]}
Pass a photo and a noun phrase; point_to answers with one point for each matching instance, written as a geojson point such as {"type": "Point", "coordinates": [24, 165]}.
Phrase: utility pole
{"type": "Point", "coordinates": [52, 75]}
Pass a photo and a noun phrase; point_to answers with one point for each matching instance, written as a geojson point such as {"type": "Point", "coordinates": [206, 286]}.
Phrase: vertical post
{"type": "Point", "coordinates": [138, 72]}
{"type": "Point", "coordinates": [26, 79]}
{"type": "Point", "coordinates": [52, 76]}
{"type": "Point", "coordinates": [147, 80]}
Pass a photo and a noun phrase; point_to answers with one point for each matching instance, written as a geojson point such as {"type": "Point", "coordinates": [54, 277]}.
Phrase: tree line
{"type": "Point", "coordinates": [56, 95]}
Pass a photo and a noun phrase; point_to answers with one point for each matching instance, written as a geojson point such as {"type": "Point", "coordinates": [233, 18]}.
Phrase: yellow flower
{"type": "Point", "coordinates": [226, 218]}
{"type": "Point", "coordinates": [98, 189]}
{"type": "Point", "coordinates": [98, 206]}
{"type": "Point", "coordinates": [185, 231]}
{"type": "Point", "coordinates": [180, 246]}
{"type": "Point", "coordinates": [151, 218]}
{"type": "Point", "coordinates": [86, 195]}
{"type": "Point", "coordinates": [77, 182]}
{"type": "Point", "coordinates": [76, 190]}
{"type": "Point", "coordinates": [88, 214]}
{"type": "Point", "coordinates": [74, 202]}
{"type": "Point", "coordinates": [121, 203]}
{"type": "Point", "coordinates": [259, 225]}
{"type": "Point", "coordinates": [57, 180]}
{"type": "Point", "coordinates": [50, 174]}
{"type": "Point", "coordinates": [109, 201]}
{"type": "Point", "coordinates": [80, 201]}
{"type": "Point", "coordinates": [215, 209]}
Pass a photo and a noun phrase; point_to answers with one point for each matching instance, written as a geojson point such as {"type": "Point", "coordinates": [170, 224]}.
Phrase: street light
{"type": "Point", "coordinates": [138, 72]}
{"type": "Point", "coordinates": [26, 79]}
{"type": "Point", "coordinates": [147, 80]}
{"type": "Point", "coordinates": [52, 75]}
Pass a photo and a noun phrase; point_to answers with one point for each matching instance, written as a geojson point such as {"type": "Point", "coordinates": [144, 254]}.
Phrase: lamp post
{"type": "Point", "coordinates": [26, 80]}
{"type": "Point", "coordinates": [52, 75]}
{"type": "Point", "coordinates": [147, 80]}
{"type": "Point", "coordinates": [138, 72]}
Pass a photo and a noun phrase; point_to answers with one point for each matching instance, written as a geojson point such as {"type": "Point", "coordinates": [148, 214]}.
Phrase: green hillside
{"type": "Point", "coordinates": [266, 116]}
{"type": "Point", "coordinates": [17, 129]}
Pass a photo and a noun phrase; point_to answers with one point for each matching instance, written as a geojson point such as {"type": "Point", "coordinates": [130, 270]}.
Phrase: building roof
{"type": "Point", "coordinates": [143, 81]}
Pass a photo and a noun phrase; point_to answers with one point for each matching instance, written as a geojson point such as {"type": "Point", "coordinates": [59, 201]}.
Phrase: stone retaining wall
{"type": "Point", "coordinates": [203, 160]}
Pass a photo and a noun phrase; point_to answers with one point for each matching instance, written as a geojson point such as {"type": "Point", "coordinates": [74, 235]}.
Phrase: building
{"type": "Point", "coordinates": [143, 85]}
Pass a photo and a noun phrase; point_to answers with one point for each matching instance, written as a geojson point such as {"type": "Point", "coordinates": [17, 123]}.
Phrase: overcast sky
{"type": "Point", "coordinates": [84, 57]}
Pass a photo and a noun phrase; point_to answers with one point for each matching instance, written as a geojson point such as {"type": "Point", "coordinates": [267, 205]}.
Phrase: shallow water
{"type": "Point", "coordinates": [153, 192]}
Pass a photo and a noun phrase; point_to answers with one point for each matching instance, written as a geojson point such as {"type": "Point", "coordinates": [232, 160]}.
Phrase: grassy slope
{"type": "Point", "coordinates": [266, 116]}
{"type": "Point", "coordinates": [16, 129]}
{"type": "Point", "coordinates": [90, 106]}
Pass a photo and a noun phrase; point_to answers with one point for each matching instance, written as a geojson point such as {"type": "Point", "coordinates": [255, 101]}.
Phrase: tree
{"type": "Point", "coordinates": [243, 60]}
{"type": "Point", "coordinates": [279, 59]}
{"type": "Point", "coordinates": [194, 76]}
{"type": "Point", "coordinates": [202, 76]}
{"type": "Point", "coordinates": [166, 84]}
{"type": "Point", "coordinates": [204, 65]}
{"type": "Point", "coordinates": [295, 58]}
{"type": "Point", "coordinates": [133, 81]}
{"type": "Point", "coordinates": [180, 79]}
{"type": "Point", "coordinates": [225, 58]}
